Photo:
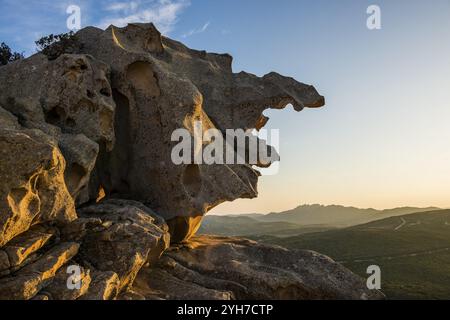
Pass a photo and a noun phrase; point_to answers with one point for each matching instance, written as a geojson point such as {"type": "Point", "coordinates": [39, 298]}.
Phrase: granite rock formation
{"type": "Point", "coordinates": [221, 268]}
{"type": "Point", "coordinates": [89, 192]}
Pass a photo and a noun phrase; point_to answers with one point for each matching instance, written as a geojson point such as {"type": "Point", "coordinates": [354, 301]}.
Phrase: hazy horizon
{"type": "Point", "coordinates": [218, 213]}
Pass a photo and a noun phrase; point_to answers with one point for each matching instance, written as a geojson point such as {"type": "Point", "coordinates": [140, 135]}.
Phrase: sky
{"type": "Point", "coordinates": [383, 139]}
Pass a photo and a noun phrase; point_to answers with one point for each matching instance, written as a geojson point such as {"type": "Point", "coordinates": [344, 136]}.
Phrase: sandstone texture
{"type": "Point", "coordinates": [92, 206]}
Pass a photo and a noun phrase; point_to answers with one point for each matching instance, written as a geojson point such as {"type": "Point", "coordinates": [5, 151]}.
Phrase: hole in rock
{"type": "Point", "coordinates": [55, 116]}
{"type": "Point", "coordinates": [70, 123]}
{"type": "Point", "coordinates": [192, 180]}
{"type": "Point", "coordinates": [90, 94]}
{"type": "Point", "coordinates": [74, 177]}
{"type": "Point", "coordinates": [141, 76]}
{"type": "Point", "coordinates": [105, 92]}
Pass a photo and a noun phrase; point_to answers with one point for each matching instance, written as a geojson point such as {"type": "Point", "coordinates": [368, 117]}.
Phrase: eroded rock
{"type": "Point", "coordinates": [70, 100]}
{"type": "Point", "coordinates": [104, 286]}
{"type": "Point", "coordinates": [27, 282]}
{"type": "Point", "coordinates": [59, 290]}
{"type": "Point", "coordinates": [21, 247]}
{"type": "Point", "coordinates": [222, 268]}
{"type": "Point", "coordinates": [159, 85]}
{"type": "Point", "coordinates": [84, 130]}
{"type": "Point", "coordinates": [32, 189]}
{"type": "Point", "coordinates": [130, 235]}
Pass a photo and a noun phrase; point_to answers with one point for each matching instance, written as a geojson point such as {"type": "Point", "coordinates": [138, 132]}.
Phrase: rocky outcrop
{"type": "Point", "coordinates": [159, 85]}
{"type": "Point", "coordinates": [107, 245]}
{"type": "Point", "coordinates": [32, 187]}
{"type": "Point", "coordinates": [68, 99]}
{"type": "Point", "coordinates": [90, 199]}
{"type": "Point", "coordinates": [127, 236]}
{"type": "Point", "coordinates": [28, 281]}
{"type": "Point", "coordinates": [223, 268]}
{"type": "Point", "coordinates": [133, 86]}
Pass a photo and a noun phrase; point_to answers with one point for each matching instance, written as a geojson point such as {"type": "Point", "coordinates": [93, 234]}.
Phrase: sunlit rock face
{"type": "Point", "coordinates": [69, 99]}
{"type": "Point", "coordinates": [32, 186]}
{"type": "Point", "coordinates": [159, 85]}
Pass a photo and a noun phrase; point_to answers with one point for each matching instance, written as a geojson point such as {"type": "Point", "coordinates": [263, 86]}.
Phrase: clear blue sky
{"type": "Point", "coordinates": [383, 139]}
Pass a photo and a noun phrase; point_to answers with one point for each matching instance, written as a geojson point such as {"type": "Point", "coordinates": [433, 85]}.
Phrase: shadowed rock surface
{"type": "Point", "coordinates": [221, 268]}
{"type": "Point", "coordinates": [89, 194]}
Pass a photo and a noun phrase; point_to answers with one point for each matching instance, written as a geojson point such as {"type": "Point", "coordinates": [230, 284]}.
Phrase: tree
{"type": "Point", "coordinates": [55, 45]}
{"type": "Point", "coordinates": [7, 55]}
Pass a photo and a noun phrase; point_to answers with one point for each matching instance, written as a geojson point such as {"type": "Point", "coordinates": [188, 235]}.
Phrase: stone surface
{"type": "Point", "coordinates": [58, 289]}
{"type": "Point", "coordinates": [24, 245]}
{"type": "Point", "coordinates": [82, 131]}
{"type": "Point", "coordinates": [81, 155]}
{"type": "Point", "coordinates": [134, 87]}
{"type": "Point", "coordinates": [211, 267]}
{"type": "Point", "coordinates": [27, 282]}
{"type": "Point", "coordinates": [4, 263]}
{"type": "Point", "coordinates": [68, 99]}
{"type": "Point", "coordinates": [129, 236]}
{"type": "Point", "coordinates": [33, 189]}
{"type": "Point", "coordinates": [69, 95]}
{"type": "Point", "coordinates": [159, 85]}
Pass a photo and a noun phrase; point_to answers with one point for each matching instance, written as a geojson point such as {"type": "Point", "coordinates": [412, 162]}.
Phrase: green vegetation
{"type": "Point", "coordinates": [245, 226]}
{"type": "Point", "coordinates": [55, 45]}
{"type": "Point", "coordinates": [412, 249]}
{"type": "Point", "coordinates": [7, 55]}
{"type": "Point", "coordinates": [413, 252]}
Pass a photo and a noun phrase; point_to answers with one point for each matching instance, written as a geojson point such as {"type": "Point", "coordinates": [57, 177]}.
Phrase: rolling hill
{"type": "Point", "coordinates": [301, 220]}
{"type": "Point", "coordinates": [413, 252]}
{"type": "Point", "coordinates": [245, 226]}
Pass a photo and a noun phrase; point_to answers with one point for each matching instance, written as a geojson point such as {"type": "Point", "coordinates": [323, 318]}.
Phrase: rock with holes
{"type": "Point", "coordinates": [70, 100]}
{"type": "Point", "coordinates": [81, 155]}
{"type": "Point", "coordinates": [159, 85]}
{"type": "Point", "coordinates": [32, 186]}
{"type": "Point", "coordinates": [229, 268]}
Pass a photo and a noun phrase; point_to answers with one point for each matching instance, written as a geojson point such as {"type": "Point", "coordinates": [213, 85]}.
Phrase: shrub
{"type": "Point", "coordinates": [7, 55]}
{"type": "Point", "coordinates": [55, 45]}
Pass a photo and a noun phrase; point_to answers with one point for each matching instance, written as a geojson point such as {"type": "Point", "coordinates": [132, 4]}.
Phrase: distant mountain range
{"type": "Point", "coordinates": [301, 220]}
{"type": "Point", "coordinates": [410, 245]}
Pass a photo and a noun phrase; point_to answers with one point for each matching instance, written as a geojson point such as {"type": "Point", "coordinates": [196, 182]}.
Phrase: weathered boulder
{"type": "Point", "coordinates": [58, 289]}
{"type": "Point", "coordinates": [159, 85]}
{"type": "Point", "coordinates": [70, 100]}
{"type": "Point", "coordinates": [87, 129]}
{"type": "Point", "coordinates": [104, 286]}
{"type": "Point", "coordinates": [32, 186]}
{"type": "Point", "coordinates": [27, 282]}
{"type": "Point", "coordinates": [128, 236]}
{"type": "Point", "coordinates": [211, 267]}
{"type": "Point", "coordinates": [24, 245]}
{"type": "Point", "coordinates": [68, 95]}
{"type": "Point", "coordinates": [106, 247]}
{"type": "Point", "coordinates": [133, 86]}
